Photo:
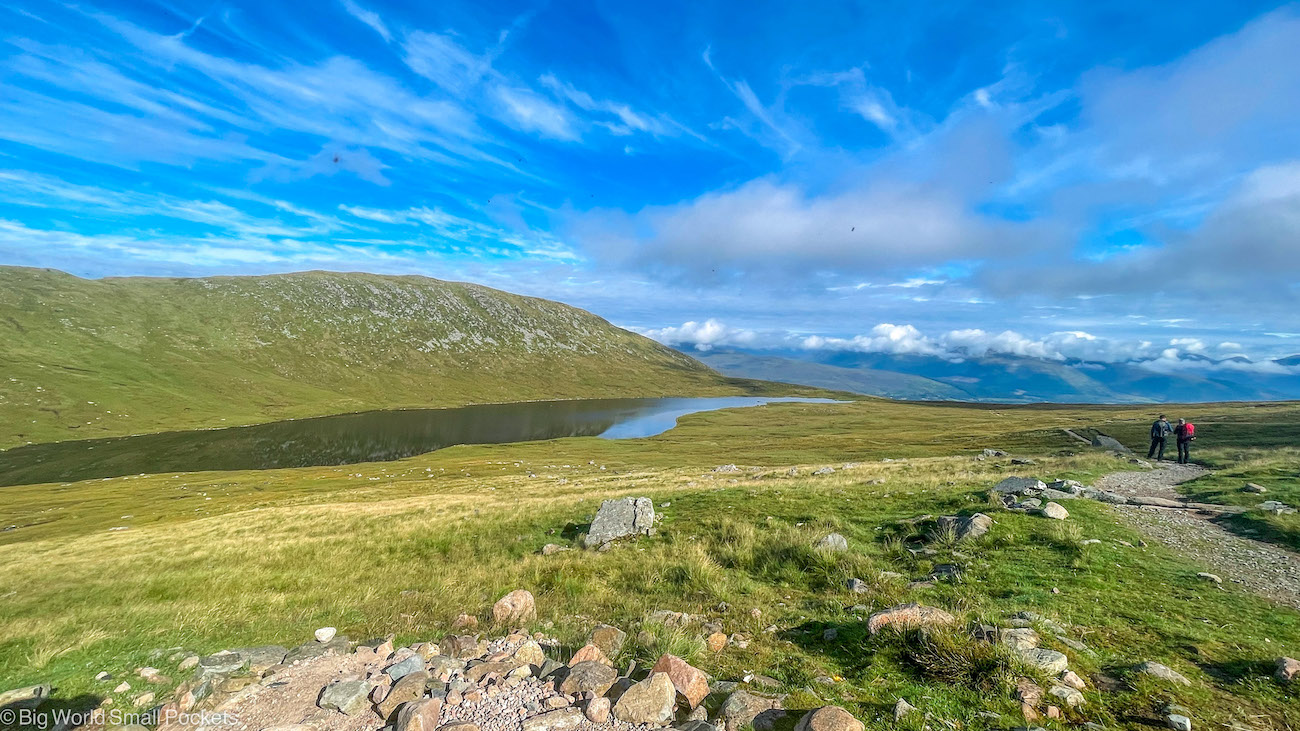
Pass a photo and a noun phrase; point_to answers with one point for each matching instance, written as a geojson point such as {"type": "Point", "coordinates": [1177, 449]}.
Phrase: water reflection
{"type": "Point", "coordinates": [366, 437]}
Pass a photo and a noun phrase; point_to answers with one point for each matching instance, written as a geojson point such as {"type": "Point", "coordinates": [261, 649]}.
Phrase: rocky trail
{"type": "Point", "coordinates": [1155, 507]}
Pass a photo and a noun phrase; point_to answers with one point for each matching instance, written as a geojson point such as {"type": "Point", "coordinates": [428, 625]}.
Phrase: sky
{"type": "Point", "coordinates": [1102, 180]}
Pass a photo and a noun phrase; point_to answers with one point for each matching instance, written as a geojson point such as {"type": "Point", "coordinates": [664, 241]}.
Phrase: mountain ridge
{"type": "Point", "coordinates": [107, 357]}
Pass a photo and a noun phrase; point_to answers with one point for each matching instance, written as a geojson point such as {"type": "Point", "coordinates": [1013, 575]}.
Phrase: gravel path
{"type": "Point", "coordinates": [1263, 568]}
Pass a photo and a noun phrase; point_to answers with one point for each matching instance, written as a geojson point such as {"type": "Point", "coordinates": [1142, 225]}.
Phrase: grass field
{"type": "Point", "coordinates": [225, 559]}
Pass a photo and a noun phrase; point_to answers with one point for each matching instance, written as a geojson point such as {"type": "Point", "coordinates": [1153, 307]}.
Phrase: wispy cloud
{"type": "Point", "coordinates": [368, 17]}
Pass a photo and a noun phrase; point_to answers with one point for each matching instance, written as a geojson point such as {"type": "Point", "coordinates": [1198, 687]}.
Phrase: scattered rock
{"type": "Point", "coordinates": [908, 616]}
{"type": "Point", "coordinates": [994, 453]}
{"type": "Point", "coordinates": [1049, 662]}
{"type": "Point", "coordinates": [325, 634]}
{"type": "Point", "coordinates": [966, 527]}
{"type": "Point", "coordinates": [649, 701]}
{"type": "Point", "coordinates": [1071, 679]}
{"type": "Point", "coordinates": [1286, 669]}
{"type": "Point", "coordinates": [716, 642]}
{"type": "Point", "coordinates": [824, 471]}
{"type": "Point", "coordinates": [1256, 489]}
{"type": "Point", "coordinates": [465, 622]}
{"type": "Point", "coordinates": [589, 677]}
{"type": "Point", "coordinates": [531, 653]}
{"type": "Point", "coordinates": [1054, 511]}
{"type": "Point", "coordinates": [516, 607]}
{"type": "Point", "coordinates": [459, 646]}
{"type": "Point", "coordinates": [30, 696]}
{"type": "Point", "coordinates": [833, 542]}
{"type": "Point", "coordinates": [404, 667]}
{"type": "Point", "coordinates": [222, 663]}
{"type": "Point", "coordinates": [143, 701]}
{"type": "Point", "coordinates": [726, 468]}
{"type": "Point", "coordinates": [1178, 722]}
{"type": "Point", "coordinates": [857, 586]}
{"type": "Point", "coordinates": [1020, 638]}
{"type": "Point", "coordinates": [1102, 441]}
{"type": "Point", "coordinates": [589, 653]}
{"type": "Point", "coordinates": [563, 719]}
{"type": "Point", "coordinates": [420, 715]}
{"type": "Point", "coordinates": [597, 710]}
{"type": "Point", "coordinates": [102, 675]}
{"type": "Point", "coordinates": [688, 681]}
{"type": "Point", "coordinates": [349, 697]}
{"type": "Point", "coordinates": [1163, 672]}
{"type": "Point", "coordinates": [902, 708]}
{"type": "Point", "coordinates": [829, 718]}
{"type": "Point", "coordinates": [1071, 697]}
{"type": "Point", "coordinates": [1027, 692]}
{"type": "Point", "coordinates": [1206, 576]}
{"type": "Point", "coordinates": [1020, 486]}
{"type": "Point", "coordinates": [623, 517]}
{"type": "Point", "coordinates": [609, 639]}
{"type": "Point", "coordinates": [744, 708]}
{"type": "Point", "coordinates": [410, 688]}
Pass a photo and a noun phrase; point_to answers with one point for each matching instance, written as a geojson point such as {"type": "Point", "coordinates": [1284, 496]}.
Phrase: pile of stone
{"type": "Point", "coordinates": [465, 682]}
{"type": "Point", "coordinates": [1031, 495]}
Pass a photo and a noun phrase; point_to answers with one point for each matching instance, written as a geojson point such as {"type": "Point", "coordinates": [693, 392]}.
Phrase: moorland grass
{"type": "Point", "coordinates": [216, 560]}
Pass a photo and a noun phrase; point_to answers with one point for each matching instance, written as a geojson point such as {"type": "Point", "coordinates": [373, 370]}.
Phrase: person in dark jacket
{"type": "Point", "coordinates": [1184, 433]}
{"type": "Point", "coordinates": [1160, 430]}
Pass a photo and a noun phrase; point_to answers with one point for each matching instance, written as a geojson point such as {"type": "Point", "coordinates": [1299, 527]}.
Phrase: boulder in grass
{"type": "Point", "coordinates": [620, 518]}
{"type": "Point", "coordinates": [966, 527]}
{"type": "Point", "coordinates": [833, 542]}
{"type": "Point", "coordinates": [517, 606]}
{"type": "Point", "coordinates": [649, 701]}
{"type": "Point", "coordinates": [908, 616]}
{"type": "Point", "coordinates": [829, 718]}
{"type": "Point", "coordinates": [1020, 486]}
{"type": "Point", "coordinates": [28, 697]}
{"type": "Point", "coordinates": [687, 680]}
{"type": "Point", "coordinates": [1286, 669]}
{"type": "Point", "coordinates": [1163, 672]}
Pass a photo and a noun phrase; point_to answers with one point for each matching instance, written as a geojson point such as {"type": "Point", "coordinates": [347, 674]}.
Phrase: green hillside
{"type": "Point", "coordinates": [93, 358]}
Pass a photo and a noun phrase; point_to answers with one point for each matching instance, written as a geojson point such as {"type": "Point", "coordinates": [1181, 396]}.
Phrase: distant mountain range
{"type": "Point", "coordinates": [1005, 378]}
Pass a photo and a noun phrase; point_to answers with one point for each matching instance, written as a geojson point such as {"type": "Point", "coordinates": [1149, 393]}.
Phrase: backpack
{"type": "Point", "coordinates": [1158, 430]}
{"type": "Point", "coordinates": [1190, 431]}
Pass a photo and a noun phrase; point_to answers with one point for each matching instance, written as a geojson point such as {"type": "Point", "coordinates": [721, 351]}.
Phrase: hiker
{"type": "Point", "coordinates": [1185, 432]}
{"type": "Point", "coordinates": [1160, 430]}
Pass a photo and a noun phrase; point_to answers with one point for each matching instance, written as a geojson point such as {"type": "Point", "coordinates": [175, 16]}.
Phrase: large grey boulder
{"type": "Point", "coordinates": [29, 697]}
{"type": "Point", "coordinates": [966, 527]}
{"type": "Point", "coordinates": [1102, 441]}
{"type": "Point", "coordinates": [620, 518]}
{"type": "Point", "coordinates": [833, 542]}
{"type": "Point", "coordinates": [350, 697]}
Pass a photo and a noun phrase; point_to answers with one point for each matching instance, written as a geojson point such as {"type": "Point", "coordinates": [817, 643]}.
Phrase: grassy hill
{"type": "Point", "coordinates": [92, 358]}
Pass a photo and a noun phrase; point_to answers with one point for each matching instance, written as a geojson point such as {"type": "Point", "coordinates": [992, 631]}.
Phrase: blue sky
{"type": "Point", "coordinates": [1109, 180]}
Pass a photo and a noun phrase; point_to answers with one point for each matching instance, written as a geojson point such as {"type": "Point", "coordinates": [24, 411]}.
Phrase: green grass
{"type": "Point", "coordinates": [1277, 470]}
{"type": "Point", "coordinates": [97, 358]}
{"type": "Point", "coordinates": [406, 546]}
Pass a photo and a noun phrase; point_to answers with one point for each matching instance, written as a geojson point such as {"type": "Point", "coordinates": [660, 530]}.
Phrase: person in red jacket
{"type": "Point", "coordinates": [1185, 432]}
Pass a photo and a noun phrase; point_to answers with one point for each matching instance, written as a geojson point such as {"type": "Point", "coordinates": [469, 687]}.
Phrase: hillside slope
{"type": "Point", "coordinates": [92, 358]}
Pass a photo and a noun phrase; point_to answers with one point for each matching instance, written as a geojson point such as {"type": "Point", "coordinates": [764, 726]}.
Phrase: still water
{"type": "Point", "coordinates": [370, 436]}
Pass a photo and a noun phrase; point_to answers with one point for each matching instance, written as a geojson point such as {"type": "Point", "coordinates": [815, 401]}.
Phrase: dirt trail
{"type": "Point", "coordinates": [1263, 568]}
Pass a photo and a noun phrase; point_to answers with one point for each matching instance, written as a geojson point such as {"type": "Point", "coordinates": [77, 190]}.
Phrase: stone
{"type": "Point", "coordinates": [337, 646]}
{"type": "Point", "coordinates": [1027, 692]}
{"type": "Point", "coordinates": [325, 634]}
{"type": "Point", "coordinates": [857, 586]}
{"type": "Point", "coordinates": [122, 687]}
{"type": "Point", "coordinates": [609, 639]}
{"type": "Point", "coordinates": [716, 642]}
{"type": "Point", "coordinates": [1178, 722]}
{"type": "Point", "coordinates": [1113, 498]}
{"type": "Point", "coordinates": [459, 726]}
{"type": "Point", "coordinates": [261, 659]}
{"type": "Point", "coordinates": [419, 715]}
{"type": "Point", "coordinates": [1071, 697]}
{"type": "Point", "coordinates": [621, 518]}
{"type": "Point", "coordinates": [1206, 576]}
{"type": "Point", "coordinates": [690, 682]}
{"type": "Point", "coordinates": [517, 606]}
{"type": "Point", "coordinates": [832, 542]}
{"type": "Point", "coordinates": [830, 634]}
{"type": "Point", "coordinates": [459, 647]}
{"type": "Point", "coordinates": [649, 701]}
{"type": "Point", "coordinates": [597, 710]}
{"type": "Point", "coordinates": [1022, 638]}
{"type": "Point", "coordinates": [966, 528]}
{"type": "Point", "coordinates": [1254, 488]}
{"type": "Point", "coordinates": [1163, 672]}
{"type": "Point", "coordinates": [103, 675]}
{"type": "Point", "coordinates": [551, 549]}
{"type": "Point", "coordinates": [903, 709]}
{"type": "Point", "coordinates": [349, 697]}
{"type": "Point", "coordinates": [994, 453]}
{"type": "Point", "coordinates": [405, 666]}
{"type": "Point", "coordinates": [29, 697]}
{"type": "Point", "coordinates": [824, 471]}
{"type": "Point", "coordinates": [530, 653]}
{"type": "Point", "coordinates": [1054, 511]}
{"type": "Point", "coordinates": [1049, 662]}
{"type": "Point", "coordinates": [1071, 679]}
{"type": "Point", "coordinates": [563, 719]}
{"type": "Point", "coordinates": [465, 621]}
{"type": "Point", "coordinates": [1286, 668]}
{"type": "Point", "coordinates": [908, 616]}
{"type": "Point", "coordinates": [743, 708]}
{"type": "Point", "coordinates": [829, 718]}
{"type": "Point", "coordinates": [589, 653]}
{"type": "Point", "coordinates": [1101, 441]}
{"type": "Point", "coordinates": [589, 677]}
{"type": "Point", "coordinates": [143, 700]}
{"type": "Point", "coordinates": [1020, 486]}
{"type": "Point", "coordinates": [409, 688]}
{"type": "Point", "coordinates": [222, 663]}
{"type": "Point", "coordinates": [477, 672]}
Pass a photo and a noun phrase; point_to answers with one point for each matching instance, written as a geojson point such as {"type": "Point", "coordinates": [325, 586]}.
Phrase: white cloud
{"type": "Point", "coordinates": [702, 336]}
{"type": "Point", "coordinates": [369, 17]}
